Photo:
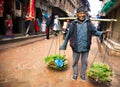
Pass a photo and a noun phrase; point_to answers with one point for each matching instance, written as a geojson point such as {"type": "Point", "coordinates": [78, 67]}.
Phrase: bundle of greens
{"type": "Point", "coordinates": [57, 62]}
{"type": "Point", "coordinates": [100, 72]}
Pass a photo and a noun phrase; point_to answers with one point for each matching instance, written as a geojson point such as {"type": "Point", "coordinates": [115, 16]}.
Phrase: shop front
{"type": "Point", "coordinates": [22, 14]}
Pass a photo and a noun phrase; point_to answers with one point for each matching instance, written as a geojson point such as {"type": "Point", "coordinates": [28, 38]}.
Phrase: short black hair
{"type": "Point", "coordinates": [81, 9]}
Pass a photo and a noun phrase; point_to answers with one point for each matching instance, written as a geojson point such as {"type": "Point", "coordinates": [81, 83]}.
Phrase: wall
{"type": "Point", "coordinates": [116, 26]}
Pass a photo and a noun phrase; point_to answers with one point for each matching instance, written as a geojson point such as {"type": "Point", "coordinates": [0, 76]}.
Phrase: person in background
{"type": "Point", "coordinates": [48, 23]}
{"type": "Point", "coordinates": [65, 28]}
{"type": "Point", "coordinates": [37, 25]}
{"type": "Point", "coordinates": [56, 26]}
{"type": "Point", "coordinates": [80, 33]}
{"type": "Point", "coordinates": [27, 27]}
{"type": "Point", "coordinates": [46, 15]}
{"type": "Point", "coordinates": [9, 26]}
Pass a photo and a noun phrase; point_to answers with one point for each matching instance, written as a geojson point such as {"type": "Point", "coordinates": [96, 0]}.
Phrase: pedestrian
{"type": "Point", "coordinates": [46, 15]}
{"type": "Point", "coordinates": [9, 26]}
{"type": "Point", "coordinates": [80, 33]}
{"type": "Point", "coordinates": [48, 22]}
{"type": "Point", "coordinates": [37, 25]}
{"type": "Point", "coordinates": [56, 26]}
{"type": "Point", "coordinates": [65, 28]}
{"type": "Point", "coordinates": [27, 27]}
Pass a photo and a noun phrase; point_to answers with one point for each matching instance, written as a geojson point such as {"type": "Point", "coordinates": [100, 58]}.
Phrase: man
{"type": "Point", "coordinates": [80, 33]}
{"type": "Point", "coordinates": [48, 23]}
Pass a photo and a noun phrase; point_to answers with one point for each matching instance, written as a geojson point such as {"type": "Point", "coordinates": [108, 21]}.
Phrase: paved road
{"type": "Point", "coordinates": [22, 65]}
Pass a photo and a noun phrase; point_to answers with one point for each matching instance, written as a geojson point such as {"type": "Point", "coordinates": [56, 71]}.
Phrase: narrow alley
{"type": "Point", "coordinates": [22, 65]}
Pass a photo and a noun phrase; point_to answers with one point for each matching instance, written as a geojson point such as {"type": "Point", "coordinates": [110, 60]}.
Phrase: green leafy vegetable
{"type": "Point", "coordinates": [100, 72]}
{"type": "Point", "coordinates": [51, 61]}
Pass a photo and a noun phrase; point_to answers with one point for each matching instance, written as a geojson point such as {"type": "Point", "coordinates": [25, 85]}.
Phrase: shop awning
{"type": "Point", "coordinates": [108, 5]}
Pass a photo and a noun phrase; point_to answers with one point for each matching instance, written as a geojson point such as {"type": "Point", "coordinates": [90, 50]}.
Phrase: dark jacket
{"type": "Point", "coordinates": [48, 22]}
{"type": "Point", "coordinates": [82, 42]}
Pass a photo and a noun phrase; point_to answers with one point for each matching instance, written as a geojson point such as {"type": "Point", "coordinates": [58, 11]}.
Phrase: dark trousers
{"type": "Point", "coordinates": [47, 32]}
{"type": "Point", "coordinates": [76, 57]}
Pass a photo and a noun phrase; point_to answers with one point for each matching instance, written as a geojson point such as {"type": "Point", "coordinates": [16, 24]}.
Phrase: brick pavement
{"type": "Point", "coordinates": [22, 65]}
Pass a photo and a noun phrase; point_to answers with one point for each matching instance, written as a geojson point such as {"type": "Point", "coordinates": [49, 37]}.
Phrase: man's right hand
{"type": "Point", "coordinates": [107, 31]}
{"type": "Point", "coordinates": [62, 48]}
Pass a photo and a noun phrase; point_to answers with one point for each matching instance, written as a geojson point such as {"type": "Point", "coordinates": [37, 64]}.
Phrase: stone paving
{"type": "Point", "coordinates": [22, 65]}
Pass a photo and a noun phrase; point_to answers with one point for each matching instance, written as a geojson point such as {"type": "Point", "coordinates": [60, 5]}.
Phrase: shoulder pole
{"type": "Point", "coordinates": [92, 19]}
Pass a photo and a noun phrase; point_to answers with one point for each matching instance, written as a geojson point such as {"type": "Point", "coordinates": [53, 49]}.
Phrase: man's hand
{"type": "Point", "coordinates": [107, 31]}
{"type": "Point", "coordinates": [62, 48]}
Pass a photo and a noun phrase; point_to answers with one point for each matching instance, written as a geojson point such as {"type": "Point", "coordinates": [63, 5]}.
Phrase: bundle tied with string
{"type": "Point", "coordinates": [56, 61]}
{"type": "Point", "coordinates": [100, 73]}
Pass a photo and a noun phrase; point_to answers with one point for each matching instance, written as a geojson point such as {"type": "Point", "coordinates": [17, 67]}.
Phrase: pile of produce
{"type": "Point", "coordinates": [100, 72]}
{"type": "Point", "coordinates": [57, 62]}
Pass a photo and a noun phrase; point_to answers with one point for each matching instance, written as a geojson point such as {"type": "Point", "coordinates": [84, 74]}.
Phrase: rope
{"type": "Point", "coordinates": [109, 36]}
{"type": "Point", "coordinates": [94, 58]}
{"type": "Point", "coordinates": [105, 54]}
{"type": "Point", "coordinates": [56, 45]}
{"type": "Point", "coordinates": [59, 42]}
{"type": "Point", "coordinates": [60, 39]}
{"type": "Point", "coordinates": [50, 46]}
{"type": "Point", "coordinates": [104, 58]}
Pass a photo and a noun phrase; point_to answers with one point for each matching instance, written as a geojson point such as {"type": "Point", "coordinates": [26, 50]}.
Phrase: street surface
{"type": "Point", "coordinates": [22, 65]}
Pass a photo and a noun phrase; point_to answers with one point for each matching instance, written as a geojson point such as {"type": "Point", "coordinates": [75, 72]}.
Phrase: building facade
{"type": "Point", "coordinates": [110, 10]}
{"type": "Point", "coordinates": [20, 9]}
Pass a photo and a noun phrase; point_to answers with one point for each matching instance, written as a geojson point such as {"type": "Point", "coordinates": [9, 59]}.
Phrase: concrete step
{"type": "Point", "coordinates": [115, 45]}
{"type": "Point", "coordinates": [18, 38]}
{"type": "Point", "coordinates": [112, 49]}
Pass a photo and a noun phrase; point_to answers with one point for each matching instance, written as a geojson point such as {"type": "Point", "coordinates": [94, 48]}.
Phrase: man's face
{"type": "Point", "coordinates": [81, 16]}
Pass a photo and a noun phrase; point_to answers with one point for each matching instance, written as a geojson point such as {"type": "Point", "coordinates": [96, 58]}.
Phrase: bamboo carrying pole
{"type": "Point", "coordinates": [92, 19]}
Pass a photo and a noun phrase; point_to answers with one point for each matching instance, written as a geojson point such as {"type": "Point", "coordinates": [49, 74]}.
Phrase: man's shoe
{"type": "Point", "coordinates": [27, 35]}
{"type": "Point", "coordinates": [74, 77]}
{"type": "Point", "coordinates": [83, 78]}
